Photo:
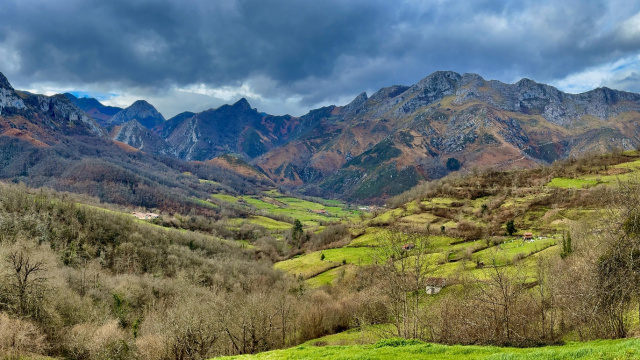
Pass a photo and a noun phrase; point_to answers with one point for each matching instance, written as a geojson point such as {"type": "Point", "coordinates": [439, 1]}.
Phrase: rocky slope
{"type": "Point", "coordinates": [42, 120]}
{"type": "Point", "coordinates": [236, 128]}
{"type": "Point", "coordinates": [134, 134]}
{"type": "Point", "coordinates": [381, 145]}
{"type": "Point", "coordinates": [101, 113]}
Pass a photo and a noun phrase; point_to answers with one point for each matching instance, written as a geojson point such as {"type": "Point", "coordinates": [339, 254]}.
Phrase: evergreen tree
{"type": "Point", "coordinates": [296, 233]}
{"type": "Point", "coordinates": [511, 228]}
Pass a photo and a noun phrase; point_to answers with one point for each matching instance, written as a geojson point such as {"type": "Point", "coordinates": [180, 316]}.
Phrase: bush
{"type": "Point", "coordinates": [453, 164]}
{"type": "Point", "coordinates": [19, 337]}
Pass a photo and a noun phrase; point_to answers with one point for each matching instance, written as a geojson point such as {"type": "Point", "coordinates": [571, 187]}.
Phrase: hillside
{"type": "Point", "coordinates": [246, 260]}
{"type": "Point", "coordinates": [382, 145]}
{"type": "Point", "coordinates": [466, 217]}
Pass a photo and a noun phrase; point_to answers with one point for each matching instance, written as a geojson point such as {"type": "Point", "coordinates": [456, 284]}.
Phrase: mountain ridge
{"type": "Point", "coordinates": [377, 146]}
{"type": "Point", "coordinates": [101, 113]}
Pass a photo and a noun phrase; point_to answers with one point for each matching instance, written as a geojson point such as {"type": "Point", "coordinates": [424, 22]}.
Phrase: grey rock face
{"type": "Point", "coordinates": [427, 91]}
{"type": "Point", "coordinates": [134, 134]}
{"type": "Point", "coordinates": [8, 97]}
{"type": "Point", "coordinates": [61, 105]}
{"type": "Point", "coordinates": [356, 106]}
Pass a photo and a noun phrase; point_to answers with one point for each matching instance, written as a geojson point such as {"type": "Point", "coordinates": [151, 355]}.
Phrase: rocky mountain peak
{"type": "Point", "coordinates": [428, 90]}
{"type": "Point", "coordinates": [134, 134]}
{"type": "Point", "coordinates": [141, 104]}
{"type": "Point", "coordinates": [88, 101]}
{"type": "Point", "coordinates": [357, 105]}
{"type": "Point", "coordinates": [525, 83]}
{"type": "Point", "coordinates": [242, 104]}
{"type": "Point", "coordinates": [145, 113]}
{"type": "Point", "coordinates": [439, 79]}
{"type": "Point", "coordinates": [4, 83]}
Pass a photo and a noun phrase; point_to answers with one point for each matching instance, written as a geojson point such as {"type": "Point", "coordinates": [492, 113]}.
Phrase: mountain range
{"type": "Point", "coordinates": [374, 147]}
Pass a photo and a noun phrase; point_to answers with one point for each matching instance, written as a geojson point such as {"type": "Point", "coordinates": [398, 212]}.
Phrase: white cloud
{"type": "Point", "coordinates": [226, 93]}
{"type": "Point", "coordinates": [611, 74]}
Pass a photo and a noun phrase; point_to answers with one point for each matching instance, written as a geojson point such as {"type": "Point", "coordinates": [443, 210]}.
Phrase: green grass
{"type": "Point", "coordinates": [389, 216]}
{"type": "Point", "coordinates": [411, 349]}
{"type": "Point", "coordinates": [509, 251]}
{"type": "Point", "coordinates": [266, 222]}
{"type": "Point", "coordinates": [205, 203]}
{"type": "Point", "coordinates": [371, 237]}
{"type": "Point", "coordinates": [328, 277]}
{"type": "Point", "coordinates": [227, 198]}
{"type": "Point", "coordinates": [439, 201]}
{"type": "Point", "coordinates": [259, 204]}
{"type": "Point", "coordinates": [571, 183]}
{"type": "Point", "coordinates": [310, 265]}
{"type": "Point", "coordinates": [417, 219]}
{"type": "Point", "coordinates": [211, 182]}
{"type": "Point", "coordinates": [357, 336]}
{"type": "Point", "coordinates": [306, 266]}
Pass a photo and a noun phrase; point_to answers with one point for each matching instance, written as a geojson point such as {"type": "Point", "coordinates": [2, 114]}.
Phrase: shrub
{"type": "Point", "coordinates": [453, 164]}
{"type": "Point", "coordinates": [19, 337]}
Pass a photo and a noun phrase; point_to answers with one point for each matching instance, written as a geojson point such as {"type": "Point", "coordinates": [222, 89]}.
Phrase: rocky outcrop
{"type": "Point", "coordinates": [8, 96]}
{"type": "Point", "coordinates": [134, 134]}
{"type": "Point", "coordinates": [43, 118]}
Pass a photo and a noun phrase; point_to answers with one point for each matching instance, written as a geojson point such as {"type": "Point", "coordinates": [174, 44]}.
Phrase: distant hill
{"type": "Point", "coordinates": [101, 113]}
{"type": "Point", "coordinates": [49, 141]}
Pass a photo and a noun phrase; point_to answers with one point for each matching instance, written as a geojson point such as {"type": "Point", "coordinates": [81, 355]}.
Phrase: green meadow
{"type": "Point", "coordinates": [395, 348]}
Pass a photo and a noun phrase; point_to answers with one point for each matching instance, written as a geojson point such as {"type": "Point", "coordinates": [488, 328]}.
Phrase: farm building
{"type": "Point", "coordinates": [434, 285]}
{"type": "Point", "coordinates": [527, 236]}
{"type": "Point", "coordinates": [321, 212]}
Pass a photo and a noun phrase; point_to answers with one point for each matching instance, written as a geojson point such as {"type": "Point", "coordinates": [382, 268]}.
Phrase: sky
{"type": "Point", "coordinates": [290, 56]}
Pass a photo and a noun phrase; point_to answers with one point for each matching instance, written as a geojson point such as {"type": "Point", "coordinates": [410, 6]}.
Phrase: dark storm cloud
{"type": "Point", "coordinates": [314, 51]}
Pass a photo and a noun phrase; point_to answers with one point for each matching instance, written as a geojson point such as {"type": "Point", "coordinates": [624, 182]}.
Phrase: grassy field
{"type": "Point", "coordinates": [311, 214]}
{"type": "Point", "coordinates": [310, 265]}
{"type": "Point", "coordinates": [268, 223]}
{"type": "Point", "coordinates": [409, 349]}
{"type": "Point", "coordinates": [571, 183]}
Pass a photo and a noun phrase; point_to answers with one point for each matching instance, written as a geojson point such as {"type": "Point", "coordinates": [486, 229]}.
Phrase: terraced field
{"type": "Point", "coordinates": [276, 205]}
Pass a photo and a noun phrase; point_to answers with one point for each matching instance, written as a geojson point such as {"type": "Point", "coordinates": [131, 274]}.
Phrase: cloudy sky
{"type": "Point", "coordinates": [289, 56]}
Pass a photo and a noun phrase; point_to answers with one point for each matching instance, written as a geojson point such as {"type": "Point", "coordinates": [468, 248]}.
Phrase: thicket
{"type": "Point", "coordinates": [87, 283]}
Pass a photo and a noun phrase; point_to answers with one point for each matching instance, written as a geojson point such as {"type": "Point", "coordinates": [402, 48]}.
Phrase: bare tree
{"type": "Point", "coordinates": [404, 271]}
{"type": "Point", "coordinates": [496, 296]}
{"type": "Point", "coordinates": [25, 283]}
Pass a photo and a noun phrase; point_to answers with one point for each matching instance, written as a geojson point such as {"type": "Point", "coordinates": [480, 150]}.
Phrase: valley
{"type": "Point", "coordinates": [428, 219]}
{"type": "Point", "coordinates": [259, 179]}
